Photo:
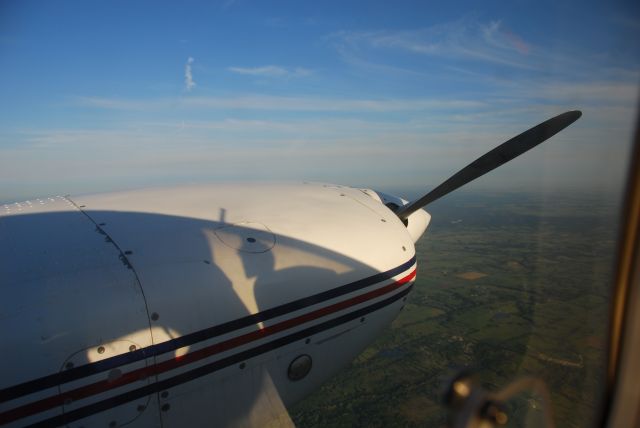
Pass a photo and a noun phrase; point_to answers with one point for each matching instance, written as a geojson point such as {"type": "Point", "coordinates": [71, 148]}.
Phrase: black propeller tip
{"type": "Point", "coordinates": [573, 115]}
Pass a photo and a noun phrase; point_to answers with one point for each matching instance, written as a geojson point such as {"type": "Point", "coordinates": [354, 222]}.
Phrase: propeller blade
{"type": "Point", "coordinates": [493, 159]}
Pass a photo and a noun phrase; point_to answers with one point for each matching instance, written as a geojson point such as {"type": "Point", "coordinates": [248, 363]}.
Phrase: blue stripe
{"type": "Point", "coordinates": [193, 338]}
{"type": "Point", "coordinates": [215, 366]}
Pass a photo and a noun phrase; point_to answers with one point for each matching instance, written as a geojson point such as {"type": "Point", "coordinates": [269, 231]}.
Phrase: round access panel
{"type": "Point", "coordinates": [299, 367]}
{"type": "Point", "coordinates": [248, 237]}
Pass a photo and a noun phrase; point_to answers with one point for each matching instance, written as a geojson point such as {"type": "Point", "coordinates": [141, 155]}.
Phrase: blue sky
{"type": "Point", "coordinates": [101, 96]}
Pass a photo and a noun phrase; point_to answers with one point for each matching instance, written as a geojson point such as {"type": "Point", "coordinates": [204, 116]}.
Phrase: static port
{"type": "Point", "coordinates": [299, 367]}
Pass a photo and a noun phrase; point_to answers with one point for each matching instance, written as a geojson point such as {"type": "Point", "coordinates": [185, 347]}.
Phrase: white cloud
{"type": "Point", "coordinates": [278, 103]}
{"type": "Point", "coordinates": [271, 71]}
{"type": "Point", "coordinates": [464, 39]}
{"type": "Point", "coordinates": [328, 149]}
{"type": "Point", "coordinates": [612, 93]}
{"type": "Point", "coordinates": [475, 51]}
{"type": "Point", "coordinates": [121, 103]}
{"type": "Point", "coordinates": [188, 76]}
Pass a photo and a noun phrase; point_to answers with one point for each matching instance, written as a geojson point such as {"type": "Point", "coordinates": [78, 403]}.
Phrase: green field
{"type": "Point", "coordinates": [508, 285]}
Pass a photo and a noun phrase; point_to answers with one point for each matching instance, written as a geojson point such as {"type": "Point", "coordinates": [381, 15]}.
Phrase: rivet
{"type": "Point", "coordinates": [362, 319]}
{"type": "Point", "coordinates": [155, 316]}
{"type": "Point", "coordinates": [69, 365]}
{"type": "Point", "coordinates": [164, 394]}
{"type": "Point", "coordinates": [100, 349]}
{"type": "Point", "coordinates": [252, 240]}
{"type": "Point", "coordinates": [101, 224]}
{"type": "Point", "coordinates": [165, 407]}
{"type": "Point", "coordinates": [82, 206]}
{"type": "Point", "coordinates": [128, 252]}
{"type": "Point", "coordinates": [207, 262]}
{"type": "Point", "coordinates": [132, 348]}
{"type": "Point", "coordinates": [307, 341]}
{"type": "Point", "coordinates": [404, 248]}
{"type": "Point", "coordinates": [383, 220]}
{"type": "Point", "coordinates": [242, 366]}
{"type": "Point", "coordinates": [341, 194]}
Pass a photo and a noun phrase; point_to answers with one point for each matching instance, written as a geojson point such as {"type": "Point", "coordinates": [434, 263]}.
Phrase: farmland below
{"type": "Point", "coordinates": [509, 285]}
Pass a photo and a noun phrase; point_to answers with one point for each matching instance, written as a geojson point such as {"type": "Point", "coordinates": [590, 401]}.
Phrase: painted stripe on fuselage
{"type": "Point", "coordinates": [103, 386]}
{"type": "Point", "coordinates": [75, 373]}
{"type": "Point", "coordinates": [195, 356]}
{"type": "Point", "coordinates": [216, 365]}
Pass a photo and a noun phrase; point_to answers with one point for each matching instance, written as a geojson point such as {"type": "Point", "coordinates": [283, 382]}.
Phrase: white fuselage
{"type": "Point", "coordinates": [186, 306]}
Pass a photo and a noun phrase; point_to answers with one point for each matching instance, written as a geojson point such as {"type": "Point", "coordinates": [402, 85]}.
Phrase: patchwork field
{"type": "Point", "coordinates": [509, 285]}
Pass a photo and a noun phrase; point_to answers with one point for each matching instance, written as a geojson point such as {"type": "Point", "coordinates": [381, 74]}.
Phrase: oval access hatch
{"type": "Point", "coordinates": [102, 385]}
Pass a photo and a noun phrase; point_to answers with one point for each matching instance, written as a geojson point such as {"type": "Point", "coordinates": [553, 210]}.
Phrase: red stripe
{"type": "Point", "coordinates": [145, 372]}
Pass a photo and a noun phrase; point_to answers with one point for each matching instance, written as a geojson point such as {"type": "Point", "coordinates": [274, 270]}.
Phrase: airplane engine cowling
{"type": "Point", "coordinates": [155, 306]}
{"type": "Point", "coordinates": [416, 223]}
